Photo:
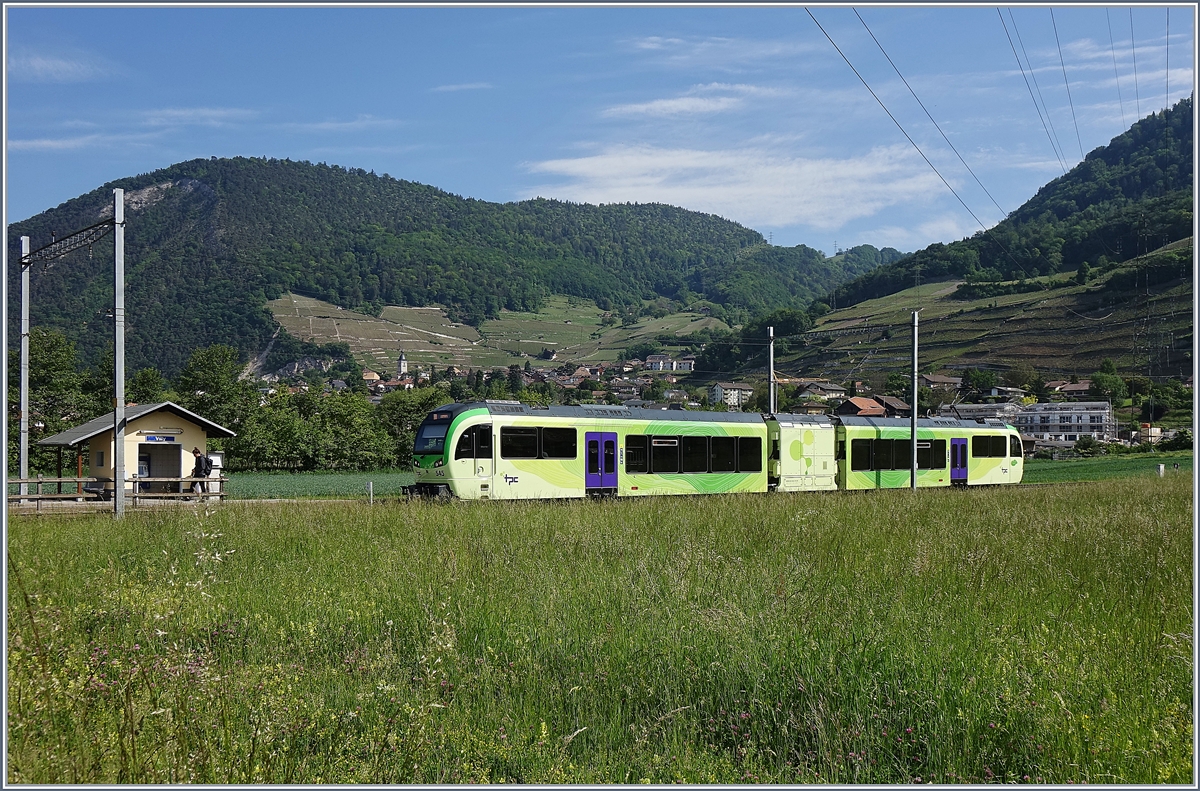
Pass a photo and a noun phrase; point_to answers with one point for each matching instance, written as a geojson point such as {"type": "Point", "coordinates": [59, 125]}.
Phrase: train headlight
{"type": "Point", "coordinates": [439, 462]}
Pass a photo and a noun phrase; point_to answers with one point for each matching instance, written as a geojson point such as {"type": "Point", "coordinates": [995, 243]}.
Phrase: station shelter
{"type": "Point", "coordinates": [158, 444]}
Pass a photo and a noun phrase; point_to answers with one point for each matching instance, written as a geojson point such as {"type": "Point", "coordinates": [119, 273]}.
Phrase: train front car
{"type": "Point", "coordinates": [505, 450]}
{"type": "Point", "coordinates": [440, 433]}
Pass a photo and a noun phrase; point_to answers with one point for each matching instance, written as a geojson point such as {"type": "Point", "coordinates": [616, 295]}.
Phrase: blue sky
{"type": "Point", "coordinates": [749, 113]}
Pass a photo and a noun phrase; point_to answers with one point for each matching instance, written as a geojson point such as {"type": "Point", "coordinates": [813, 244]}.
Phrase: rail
{"type": "Point", "coordinates": [94, 489]}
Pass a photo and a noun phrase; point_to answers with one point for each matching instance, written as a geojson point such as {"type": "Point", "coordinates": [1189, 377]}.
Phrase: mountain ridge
{"type": "Point", "coordinates": [209, 242]}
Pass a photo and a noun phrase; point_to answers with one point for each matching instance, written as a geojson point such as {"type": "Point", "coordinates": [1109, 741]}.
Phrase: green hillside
{"type": "Point", "coordinates": [209, 242]}
{"type": "Point", "coordinates": [1137, 313]}
{"type": "Point", "coordinates": [1126, 198]}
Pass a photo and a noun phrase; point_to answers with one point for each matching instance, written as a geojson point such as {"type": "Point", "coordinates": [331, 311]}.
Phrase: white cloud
{"type": "Point", "coordinates": [53, 144]}
{"type": "Point", "coordinates": [465, 86]}
{"type": "Point", "coordinates": [28, 67]}
{"type": "Point", "coordinates": [359, 124]}
{"type": "Point", "coordinates": [947, 227]}
{"type": "Point", "coordinates": [718, 51]}
{"type": "Point", "coordinates": [682, 105]}
{"type": "Point", "coordinates": [197, 116]}
{"type": "Point", "coordinates": [697, 100]}
{"type": "Point", "coordinates": [754, 186]}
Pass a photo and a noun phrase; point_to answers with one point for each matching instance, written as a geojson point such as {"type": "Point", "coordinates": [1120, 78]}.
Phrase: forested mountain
{"type": "Point", "coordinates": [208, 242]}
{"type": "Point", "coordinates": [1126, 198]}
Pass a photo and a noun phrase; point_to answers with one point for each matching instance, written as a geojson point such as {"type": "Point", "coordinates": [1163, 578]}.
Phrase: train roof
{"type": "Point", "coordinates": [495, 407]}
{"type": "Point", "coordinates": [604, 411]}
{"type": "Point", "coordinates": [929, 422]}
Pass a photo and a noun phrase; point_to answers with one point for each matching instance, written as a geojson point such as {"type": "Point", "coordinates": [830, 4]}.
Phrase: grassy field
{"type": "Point", "coordinates": [275, 485]}
{"type": "Point", "coordinates": [1099, 468]}
{"type": "Point", "coordinates": [1011, 635]}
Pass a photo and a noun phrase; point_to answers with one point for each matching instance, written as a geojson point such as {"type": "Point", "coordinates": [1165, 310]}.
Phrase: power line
{"type": "Point", "coordinates": [914, 143]}
{"type": "Point", "coordinates": [1113, 47]}
{"type": "Point", "coordinates": [1167, 46]}
{"type": "Point", "coordinates": [1064, 71]}
{"type": "Point", "coordinates": [1133, 43]}
{"type": "Point", "coordinates": [927, 115]}
{"type": "Point", "coordinates": [1021, 66]}
{"type": "Point", "coordinates": [1033, 74]}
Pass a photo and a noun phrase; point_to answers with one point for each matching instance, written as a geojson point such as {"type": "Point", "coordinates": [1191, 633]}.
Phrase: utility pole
{"type": "Point", "coordinates": [771, 370]}
{"type": "Point", "coordinates": [913, 411]}
{"type": "Point", "coordinates": [119, 352]}
{"type": "Point", "coordinates": [57, 249]}
{"type": "Point", "coordinates": [24, 364]}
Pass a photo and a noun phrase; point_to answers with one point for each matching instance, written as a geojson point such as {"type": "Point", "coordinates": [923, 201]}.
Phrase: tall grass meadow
{"type": "Point", "coordinates": [1036, 635]}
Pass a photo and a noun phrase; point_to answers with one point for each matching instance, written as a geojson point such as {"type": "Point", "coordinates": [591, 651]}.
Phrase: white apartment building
{"type": "Point", "coordinates": [1065, 422]}
{"type": "Point", "coordinates": [733, 394]}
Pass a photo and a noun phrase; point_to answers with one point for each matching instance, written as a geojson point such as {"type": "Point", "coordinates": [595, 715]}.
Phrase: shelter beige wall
{"type": "Point", "coordinates": [191, 436]}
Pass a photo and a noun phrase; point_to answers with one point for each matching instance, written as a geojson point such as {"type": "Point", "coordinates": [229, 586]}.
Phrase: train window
{"type": "Point", "coordinates": [431, 438]}
{"type": "Point", "coordinates": [610, 457]}
{"type": "Point", "coordinates": [593, 457]}
{"type": "Point", "coordinates": [559, 443]}
{"type": "Point", "coordinates": [466, 445]}
{"type": "Point", "coordinates": [695, 454]}
{"type": "Point", "coordinates": [636, 453]}
{"type": "Point", "coordinates": [860, 454]}
{"type": "Point", "coordinates": [988, 447]}
{"type": "Point", "coordinates": [664, 454]}
{"type": "Point", "coordinates": [931, 455]}
{"type": "Point", "coordinates": [1014, 446]}
{"type": "Point", "coordinates": [902, 454]}
{"type": "Point", "coordinates": [881, 454]}
{"type": "Point", "coordinates": [518, 443]}
{"type": "Point", "coordinates": [750, 454]}
{"type": "Point", "coordinates": [723, 454]}
{"type": "Point", "coordinates": [483, 442]}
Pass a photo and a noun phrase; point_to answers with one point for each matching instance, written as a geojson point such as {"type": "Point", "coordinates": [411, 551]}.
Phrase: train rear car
{"type": "Point", "coordinates": [875, 453]}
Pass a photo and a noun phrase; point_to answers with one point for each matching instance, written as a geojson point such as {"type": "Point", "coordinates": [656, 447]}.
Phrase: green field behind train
{"type": "Point", "coordinates": [1009, 634]}
{"type": "Point", "coordinates": [387, 483]}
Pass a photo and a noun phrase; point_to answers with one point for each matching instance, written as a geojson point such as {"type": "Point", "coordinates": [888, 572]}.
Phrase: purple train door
{"type": "Point", "coordinates": [600, 471]}
{"type": "Point", "coordinates": [958, 461]}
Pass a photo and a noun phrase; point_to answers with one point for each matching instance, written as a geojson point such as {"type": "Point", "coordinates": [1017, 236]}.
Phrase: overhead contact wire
{"type": "Point", "coordinates": [914, 144]}
{"type": "Point", "coordinates": [1133, 45]}
{"type": "Point", "coordinates": [928, 115]}
{"type": "Point", "coordinates": [1033, 74]}
{"type": "Point", "coordinates": [1029, 88]}
{"type": "Point", "coordinates": [1116, 75]}
{"type": "Point", "coordinates": [1066, 83]}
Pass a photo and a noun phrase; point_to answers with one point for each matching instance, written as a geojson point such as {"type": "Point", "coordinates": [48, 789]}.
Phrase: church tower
{"type": "Point", "coordinates": [402, 366]}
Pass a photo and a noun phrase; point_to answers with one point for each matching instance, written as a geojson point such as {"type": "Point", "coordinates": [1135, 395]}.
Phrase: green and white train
{"type": "Point", "coordinates": [505, 450]}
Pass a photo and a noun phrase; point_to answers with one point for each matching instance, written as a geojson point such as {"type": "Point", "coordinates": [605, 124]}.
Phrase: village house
{"type": "Point", "coordinates": [937, 382]}
{"type": "Point", "coordinates": [893, 407]}
{"type": "Point", "coordinates": [821, 390]}
{"type": "Point", "coordinates": [659, 362]}
{"type": "Point", "coordinates": [861, 406]}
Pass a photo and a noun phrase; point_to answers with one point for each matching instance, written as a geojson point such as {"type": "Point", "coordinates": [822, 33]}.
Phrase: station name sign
{"type": "Point", "coordinates": [159, 438]}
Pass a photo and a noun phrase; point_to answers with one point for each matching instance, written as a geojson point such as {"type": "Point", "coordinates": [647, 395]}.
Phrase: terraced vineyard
{"type": "Point", "coordinates": [1068, 329]}
{"type": "Point", "coordinates": [570, 326]}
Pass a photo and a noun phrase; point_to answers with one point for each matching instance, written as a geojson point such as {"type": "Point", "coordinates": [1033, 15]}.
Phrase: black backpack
{"type": "Point", "coordinates": [206, 465]}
